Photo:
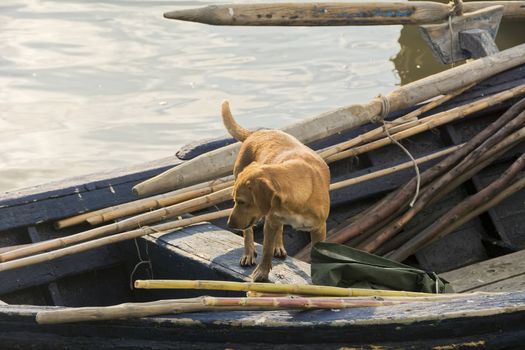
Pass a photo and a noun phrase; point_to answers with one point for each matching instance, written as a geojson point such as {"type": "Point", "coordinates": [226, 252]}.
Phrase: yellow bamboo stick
{"type": "Point", "coordinates": [391, 170]}
{"type": "Point", "coordinates": [272, 288]}
{"type": "Point", "coordinates": [139, 206]}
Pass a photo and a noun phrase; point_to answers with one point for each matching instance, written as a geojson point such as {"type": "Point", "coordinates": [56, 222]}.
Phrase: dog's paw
{"type": "Point", "coordinates": [260, 274]}
{"type": "Point", "coordinates": [280, 252]}
{"type": "Point", "coordinates": [248, 259]}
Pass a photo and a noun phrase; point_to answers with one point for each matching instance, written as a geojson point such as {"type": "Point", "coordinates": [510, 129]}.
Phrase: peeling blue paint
{"type": "Point", "coordinates": [365, 14]}
{"type": "Point", "coordinates": [375, 13]}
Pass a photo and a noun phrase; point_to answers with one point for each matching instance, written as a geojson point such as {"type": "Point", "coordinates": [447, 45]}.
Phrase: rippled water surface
{"type": "Point", "coordinates": [94, 85]}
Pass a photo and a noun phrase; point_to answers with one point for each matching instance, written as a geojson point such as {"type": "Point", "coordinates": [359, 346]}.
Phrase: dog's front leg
{"type": "Point", "coordinates": [278, 249]}
{"type": "Point", "coordinates": [248, 258]}
{"type": "Point", "coordinates": [271, 229]}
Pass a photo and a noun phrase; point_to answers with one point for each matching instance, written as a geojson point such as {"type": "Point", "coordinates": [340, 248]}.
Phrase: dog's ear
{"type": "Point", "coordinates": [264, 194]}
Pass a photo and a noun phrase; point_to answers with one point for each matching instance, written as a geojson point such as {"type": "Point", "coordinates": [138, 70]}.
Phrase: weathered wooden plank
{"type": "Point", "coordinates": [492, 321]}
{"type": "Point", "coordinates": [477, 42]}
{"type": "Point", "coordinates": [461, 247]}
{"type": "Point", "coordinates": [497, 274]}
{"type": "Point", "coordinates": [74, 196]}
{"type": "Point", "coordinates": [443, 38]}
{"type": "Point", "coordinates": [508, 217]}
{"type": "Point", "coordinates": [206, 247]}
{"type": "Point", "coordinates": [54, 292]}
{"type": "Point", "coordinates": [88, 182]}
{"type": "Point", "coordinates": [45, 273]}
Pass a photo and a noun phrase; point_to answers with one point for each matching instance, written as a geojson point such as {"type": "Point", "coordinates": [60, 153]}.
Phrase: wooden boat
{"type": "Point", "coordinates": [482, 255]}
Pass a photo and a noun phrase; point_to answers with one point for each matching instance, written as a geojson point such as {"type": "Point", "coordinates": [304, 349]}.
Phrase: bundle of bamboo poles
{"type": "Point", "coordinates": [273, 297]}
{"type": "Point", "coordinates": [138, 218]}
{"type": "Point", "coordinates": [382, 232]}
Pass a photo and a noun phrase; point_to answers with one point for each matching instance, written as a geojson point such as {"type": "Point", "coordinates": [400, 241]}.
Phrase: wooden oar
{"type": "Point", "coordinates": [220, 162]}
{"type": "Point", "coordinates": [334, 14]}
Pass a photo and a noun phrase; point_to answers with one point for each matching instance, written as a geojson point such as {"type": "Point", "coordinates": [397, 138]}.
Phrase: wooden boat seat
{"type": "Point", "coordinates": [502, 274]}
{"type": "Point", "coordinates": [209, 252]}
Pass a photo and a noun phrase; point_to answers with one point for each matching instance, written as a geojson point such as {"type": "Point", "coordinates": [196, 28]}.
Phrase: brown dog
{"type": "Point", "coordinates": [280, 179]}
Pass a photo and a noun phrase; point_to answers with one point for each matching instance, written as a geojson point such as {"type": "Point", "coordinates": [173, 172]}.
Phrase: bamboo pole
{"type": "Point", "coordinates": [442, 226]}
{"type": "Point", "coordinates": [162, 200]}
{"type": "Point", "coordinates": [131, 223]}
{"type": "Point", "coordinates": [119, 237]}
{"type": "Point", "coordinates": [126, 310]}
{"type": "Point", "coordinates": [208, 303]}
{"type": "Point", "coordinates": [220, 162]}
{"type": "Point", "coordinates": [333, 14]}
{"type": "Point", "coordinates": [394, 169]}
{"type": "Point", "coordinates": [306, 289]}
{"type": "Point", "coordinates": [78, 219]}
{"type": "Point", "coordinates": [13, 247]}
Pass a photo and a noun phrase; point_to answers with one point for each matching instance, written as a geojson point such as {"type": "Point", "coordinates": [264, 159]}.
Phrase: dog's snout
{"type": "Point", "coordinates": [231, 223]}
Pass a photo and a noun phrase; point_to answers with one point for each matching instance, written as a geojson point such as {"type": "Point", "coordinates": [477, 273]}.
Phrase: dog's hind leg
{"type": "Point", "coordinates": [271, 229]}
{"type": "Point", "coordinates": [248, 258]}
{"type": "Point", "coordinates": [278, 250]}
{"type": "Point", "coordinates": [318, 234]}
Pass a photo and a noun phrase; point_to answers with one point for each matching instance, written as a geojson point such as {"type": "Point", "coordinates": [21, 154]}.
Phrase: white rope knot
{"type": "Point", "coordinates": [456, 8]}
{"type": "Point", "coordinates": [385, 110]}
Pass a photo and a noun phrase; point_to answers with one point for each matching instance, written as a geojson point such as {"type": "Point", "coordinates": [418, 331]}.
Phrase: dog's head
{"type": "Point", "coordinates": [254, 196]}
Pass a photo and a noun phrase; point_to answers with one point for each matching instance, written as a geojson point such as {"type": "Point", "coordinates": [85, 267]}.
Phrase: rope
{"type": "Point", "coordinates": [455, 10]}
{"type": "Point", "coordinates": [141, 260]}
{"type": "Point", "coordinates": [385, 110]}
{"type": "Point", "coordinates": [451, 39]}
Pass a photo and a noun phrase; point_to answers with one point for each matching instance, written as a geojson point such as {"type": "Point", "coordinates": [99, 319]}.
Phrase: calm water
{"type": "Point", "coordinates": [93, 85]}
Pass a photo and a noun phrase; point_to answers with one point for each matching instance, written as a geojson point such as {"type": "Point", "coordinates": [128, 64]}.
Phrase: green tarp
{"type": "Point", "coordinates": [342, 266]}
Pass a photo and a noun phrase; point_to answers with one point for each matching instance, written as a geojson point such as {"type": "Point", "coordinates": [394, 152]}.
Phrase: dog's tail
{"type": "Point", "coordinates": [237, 131]}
